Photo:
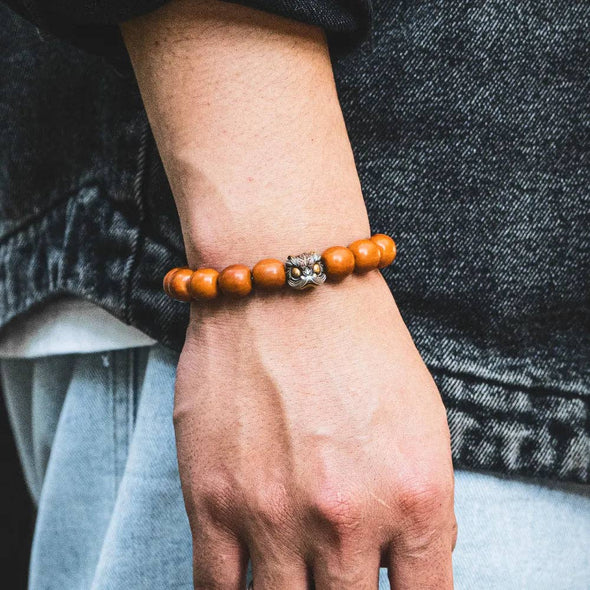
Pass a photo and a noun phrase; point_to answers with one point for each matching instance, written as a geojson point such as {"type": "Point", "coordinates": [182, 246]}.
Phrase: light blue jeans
{"type": "Point", "coordinates": [96, 440]}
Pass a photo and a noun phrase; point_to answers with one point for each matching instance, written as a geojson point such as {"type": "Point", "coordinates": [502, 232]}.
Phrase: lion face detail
{"type": "Point", "coordinates": [305, 270]}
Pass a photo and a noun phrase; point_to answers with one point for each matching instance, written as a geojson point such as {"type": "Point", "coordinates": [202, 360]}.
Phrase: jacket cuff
{"type": "Point", "coordinates": [92, 25]}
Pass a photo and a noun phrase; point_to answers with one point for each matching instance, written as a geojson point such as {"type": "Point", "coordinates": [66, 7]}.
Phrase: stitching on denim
{"type": "Point", "coordinates": [537, 390]}
{"type": "Point", "coordinates": [24, 224]}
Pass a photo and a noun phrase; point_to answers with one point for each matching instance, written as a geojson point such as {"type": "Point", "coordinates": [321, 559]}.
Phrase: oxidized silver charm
{"type": "Point", "coordinates": [305, 270]}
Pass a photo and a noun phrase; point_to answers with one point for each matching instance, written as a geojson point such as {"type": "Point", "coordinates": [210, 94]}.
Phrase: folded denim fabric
{"type": "Point", "coordinates": [92, 24]}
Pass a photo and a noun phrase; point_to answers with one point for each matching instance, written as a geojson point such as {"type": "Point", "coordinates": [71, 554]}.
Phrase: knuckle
{"type": "Point", "coordinates": [425, 500]}
{"type": "Point", "coordinates": [270, 506]}
{"type": "Point", "coordinates": [427, 515]}
{"type": "Point", "coordinates": [216, 496]}
{"type": "Point", "coordinates": [340, 509]}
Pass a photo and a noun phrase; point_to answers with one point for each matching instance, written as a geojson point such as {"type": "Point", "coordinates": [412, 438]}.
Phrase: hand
{"type": "Point", "coordinates": [312, 439]}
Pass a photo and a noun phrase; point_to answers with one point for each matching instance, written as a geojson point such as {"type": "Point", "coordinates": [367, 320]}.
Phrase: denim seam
{"type": "Point", "coordinates": [24, 224]}
{"type": "Point", "coordinates": [112, 395]}
{"type": "Point", "coordinates": [131, 385]}
{"type": "Point", "coordinates": [121, 393]}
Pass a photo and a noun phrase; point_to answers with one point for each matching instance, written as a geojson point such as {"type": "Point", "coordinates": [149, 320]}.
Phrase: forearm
{"type": "Point", "coordinates": [245, 113]}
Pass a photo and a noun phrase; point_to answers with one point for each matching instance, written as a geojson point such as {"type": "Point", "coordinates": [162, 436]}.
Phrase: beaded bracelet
{"type": "Point", "coordinates": [299, 272]}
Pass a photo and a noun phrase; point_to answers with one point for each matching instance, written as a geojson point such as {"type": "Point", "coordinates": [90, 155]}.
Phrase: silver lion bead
{"type": "Point", "coordinates": [305, 270]}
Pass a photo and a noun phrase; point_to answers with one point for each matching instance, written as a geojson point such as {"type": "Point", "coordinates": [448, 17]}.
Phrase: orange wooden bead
{"type": "Point", "coordinates": [179, 285]}
{"type": "Point", "coordinates": [338, 262]}
{"type": "Point", "coordinates": [235, 280]}
{"type": "Point", "coordinates": [387, 247]}
{"type": "Point", "coordinates": [204, 283]}
{"type": "Point", "coordinates": [168, 279]}
{"type": "Point", "coordinates": [366, 255]}
{"type": "Point", "coordinates": [269, 273]}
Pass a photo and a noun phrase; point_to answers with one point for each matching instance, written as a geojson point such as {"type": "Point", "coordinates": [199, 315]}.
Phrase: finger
{"type": "Point", "coordinates": [355, 569]}
{"type": "Point", "coordinates": [219, 560]}
{"type": "Point", "coordinates": [270, 573]}
{"type": "Point", "coordinates": [428, 567]}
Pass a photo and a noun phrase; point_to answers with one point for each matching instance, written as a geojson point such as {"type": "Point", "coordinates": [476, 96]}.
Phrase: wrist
{"type": "Point", "coordinates": [218, 247]}
{"type": "Point", "coordinates": [265, 217]}
{"type": "Point", "coordinates": [332, 308]}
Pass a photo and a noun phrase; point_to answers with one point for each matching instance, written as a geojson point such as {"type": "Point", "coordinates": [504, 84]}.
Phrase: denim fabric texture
{"type": "Point", "coordinates": [96, 439]}
{"type": "Point", "coordinates": [92, 24]}
{"type": "Point", "coordinates": [469, 121]}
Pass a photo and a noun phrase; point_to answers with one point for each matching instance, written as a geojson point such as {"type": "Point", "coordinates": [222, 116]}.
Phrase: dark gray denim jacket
{"type": "Point", "coordinates": [470, 124]}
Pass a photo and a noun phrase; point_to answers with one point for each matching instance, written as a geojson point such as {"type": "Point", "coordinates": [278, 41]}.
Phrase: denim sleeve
{"type": "Point", "coordinates": [92, 24]}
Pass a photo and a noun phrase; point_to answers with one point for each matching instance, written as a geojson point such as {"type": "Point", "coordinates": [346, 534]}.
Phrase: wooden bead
{"type": "Point", "coordinates": [269, 273]}
{"type": "Point", "coordinates": [235, 280]}
{"type": "Point", "coordinates": [366, 255]}
{"type": "Point", "coordinates": [338, 262]}
{"type": "Point", "coordinates": [387, 247]}
{"type": "Point", "coordinates": [204, 283]}
{"type": "Point", "coordinates": [179, 285]}
{"type": "Point", "coordinates": [168, 279]}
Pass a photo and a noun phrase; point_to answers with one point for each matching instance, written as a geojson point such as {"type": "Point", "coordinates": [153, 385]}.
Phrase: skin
{"type": "Point", "coordinates": [311, 437]}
